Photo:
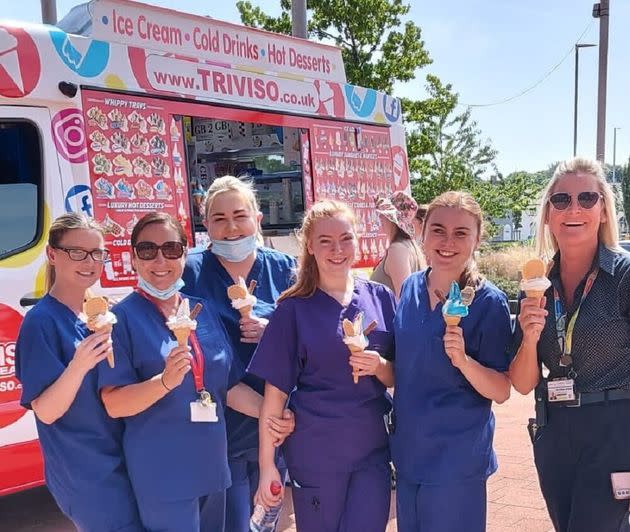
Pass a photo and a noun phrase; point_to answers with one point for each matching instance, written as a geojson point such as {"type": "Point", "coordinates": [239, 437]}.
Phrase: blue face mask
{"type": "Point", "coordinates": [165, 294]}
{"type": "Point", "coordinates": [235, 250]}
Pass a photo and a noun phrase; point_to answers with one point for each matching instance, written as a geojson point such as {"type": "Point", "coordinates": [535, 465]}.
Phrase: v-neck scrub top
{"type": "Point", "coordinates": [205, 277]}
{"type": "Point", "coordinates": [169, 457]}
{"type": "Point", "coordinates": [444, 427]}
{"type": "Point", "coordinates": [82, 450]}
{"type": "Point", "coordinates": [339, 425]}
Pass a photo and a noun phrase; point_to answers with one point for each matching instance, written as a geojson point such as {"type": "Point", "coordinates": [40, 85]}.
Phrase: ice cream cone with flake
{"type": "Point", "coordinates": [534, 282]}
{"type": "Point", "coordinates": [99, 319]}
{"type": "Point", "coordinates": [456, 305]}
{"type": "Point", "coordinates": [242, 297]}
{"type": "Point", "coordinates": [181, 323]}
{"type": "Point", "coordinates": [355, 337]}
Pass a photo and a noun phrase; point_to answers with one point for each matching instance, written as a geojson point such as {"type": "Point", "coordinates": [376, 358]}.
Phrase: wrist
{"type": "Point", "coordinates": [76, 369]}
{"type": "Point", "coordinates": [164, 385]}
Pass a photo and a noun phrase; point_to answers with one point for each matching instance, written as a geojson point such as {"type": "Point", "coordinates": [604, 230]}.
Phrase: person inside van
{"type": "Point", "coordinates": [403, 256]}
{"type": "Point", "coordinates": [233, 221]}
{"type": "Point", "coordinates": [56, 356]}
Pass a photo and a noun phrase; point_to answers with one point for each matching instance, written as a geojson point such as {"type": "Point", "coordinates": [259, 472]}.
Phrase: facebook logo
{"type": "Point", "coordinates": [79, 199]}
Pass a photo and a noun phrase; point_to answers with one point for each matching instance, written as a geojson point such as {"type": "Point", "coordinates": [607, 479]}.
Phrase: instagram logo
{"type": "Point", "coordinates": [68, 131]}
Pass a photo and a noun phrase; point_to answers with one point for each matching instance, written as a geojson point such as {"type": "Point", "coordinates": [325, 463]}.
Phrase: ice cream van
{"type": "Point", "coordinates": [125, 108]}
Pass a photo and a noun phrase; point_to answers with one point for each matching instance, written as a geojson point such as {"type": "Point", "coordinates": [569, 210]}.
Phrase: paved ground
{"type": "Point", "coordinates": [515, 502]}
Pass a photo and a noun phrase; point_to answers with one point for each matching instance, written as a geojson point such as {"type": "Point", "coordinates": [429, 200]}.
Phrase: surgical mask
{"type": "Point", "coordinates": [165, 294]}
{"type": "Point", "coordinates": [235, 250]}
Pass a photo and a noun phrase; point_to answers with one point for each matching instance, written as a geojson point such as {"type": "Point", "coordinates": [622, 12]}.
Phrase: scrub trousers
{"type": "Point", "coordinates": [575, 453]}
{"type": "Point", "coordinates": [452, 507]}
{"type": "Point", "coordinates": [202, 514]}
{"type": "Point", "coordinates": [342, 502]}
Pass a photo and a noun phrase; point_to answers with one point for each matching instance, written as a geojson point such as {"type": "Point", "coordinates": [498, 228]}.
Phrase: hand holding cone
{"type": "Point", "coordinates": [99, 319]}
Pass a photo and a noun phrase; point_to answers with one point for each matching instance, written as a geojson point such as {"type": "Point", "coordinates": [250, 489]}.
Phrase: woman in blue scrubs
{"type": "Point", "coordinates": [174, 440]}
{"type": "Point", "coordinates": [447, 378]}
{"type": "Point", "coordinates": [233, 220]}
{"type": "Point", "coordinates": [338, 456]}
{"type": "Point", "coordinates": [55, 360]}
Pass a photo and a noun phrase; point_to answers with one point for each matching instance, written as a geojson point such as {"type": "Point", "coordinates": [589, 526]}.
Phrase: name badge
{"type": "Point", "coordinates": [200, 413]}
{"type": "Point", "coordinates": [560, 390]}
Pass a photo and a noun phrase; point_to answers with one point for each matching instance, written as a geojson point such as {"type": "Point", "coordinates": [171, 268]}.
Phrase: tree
{"type": "Point", "coordinates": [376, 53]}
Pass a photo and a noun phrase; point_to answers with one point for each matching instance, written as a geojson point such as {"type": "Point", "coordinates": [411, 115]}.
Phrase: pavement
{"type": "Point", "coordinates": [514, 498]}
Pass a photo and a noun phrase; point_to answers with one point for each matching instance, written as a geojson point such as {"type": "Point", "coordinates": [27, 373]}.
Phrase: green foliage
{"type": "Point", "coordinates": [377, 47]}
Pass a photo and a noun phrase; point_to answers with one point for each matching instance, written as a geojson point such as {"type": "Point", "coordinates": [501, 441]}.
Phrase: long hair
{"type": "Point", "coordinates": [404, 238]}
{"type": "Point", "coordinates": [60, 226]}
{"type": "Point", "coordinates": [546, 243]}
{"type": "Point", "coordinates": [230, 183]}
{"type": "Point", "coordinates": [307, 275]}
{"type": "Point", "coordinates": [465, 202]}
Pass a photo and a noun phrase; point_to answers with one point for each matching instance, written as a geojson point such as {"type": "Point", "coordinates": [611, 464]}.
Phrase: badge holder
{"type": "Point", "coordinates": [562, 391]}
{"type": "Point", "coordinates": [204, 409]}
{"type": "Point", "coordinates": [621, 491]}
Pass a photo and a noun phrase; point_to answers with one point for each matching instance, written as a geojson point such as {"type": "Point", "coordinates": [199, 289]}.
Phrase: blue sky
{"type": "Point", "coordinates": [491, 50]}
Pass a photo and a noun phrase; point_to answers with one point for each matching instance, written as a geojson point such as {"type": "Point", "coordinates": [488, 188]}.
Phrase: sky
{"type": "Point", "coordinates": [492, 50]}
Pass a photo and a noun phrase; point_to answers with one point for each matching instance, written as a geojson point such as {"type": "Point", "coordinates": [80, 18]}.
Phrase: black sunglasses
{"type": "Point", "coordinates": [149, 250]}
{"type": "Point", "coordinates": [586, 200]}
{"type": "Point", "coordinates": [78, 254]}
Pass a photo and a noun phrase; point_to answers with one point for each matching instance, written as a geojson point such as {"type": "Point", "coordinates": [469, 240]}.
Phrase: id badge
{"type": "Point", "coordinates": [200, 413]}
{"type": "Point", "coordinates": [561, 390]}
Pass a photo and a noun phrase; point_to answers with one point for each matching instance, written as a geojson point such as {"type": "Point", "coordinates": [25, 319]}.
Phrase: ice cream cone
{"type": "Point", "coordinates": [108, 329]}
{"type": "Point", "coordinates": [246, 312]}
{"type": "Point", "coordinates": [182, 334]}
{"type": "Point", "coordinates": [537, 294]}
{"type": "Point", "coordinates": [452, 320]}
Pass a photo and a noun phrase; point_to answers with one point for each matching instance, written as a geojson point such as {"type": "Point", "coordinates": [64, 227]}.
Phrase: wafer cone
{"type": "Point", "coordinates": [353, 329]}
{"type": "Point", "coordinates": [182, 334]}
{"type": "Point", "coordinates": [538, 294]}
{"type": "Point", "coordinates": [452, 320]}
{"type": "Point", "coordinates": [108, 329]}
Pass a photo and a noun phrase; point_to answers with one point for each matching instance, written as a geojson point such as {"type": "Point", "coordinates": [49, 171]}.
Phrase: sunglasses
{"type": "Point", "coordinates": [78, 254]}
{"type": "Point", "coordinates": [149, 250]}
{"type": "Point", "coordinates": [562, 200]}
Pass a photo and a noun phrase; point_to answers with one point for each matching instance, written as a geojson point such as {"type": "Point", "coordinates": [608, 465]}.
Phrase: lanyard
{"type": "Point", "coordinates": [197, 362]}
{"type": "Point", "coordinates": [564, 331]}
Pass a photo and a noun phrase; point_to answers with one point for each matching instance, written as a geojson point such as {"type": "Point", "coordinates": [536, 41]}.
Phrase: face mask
{"type": "Point", "coordinates": [165, 294]}
{"type": "Point", "coordinates": [235, 250]}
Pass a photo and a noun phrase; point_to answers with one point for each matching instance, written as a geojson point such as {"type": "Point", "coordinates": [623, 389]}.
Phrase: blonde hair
{"type": "Point", "coordinates": [465, 202]}
{"type": "Point", "coordinates": [546, 243]}
{"type": "Point", "coordinates": [307, 275]}
{"type": "Point", "coordinates": [230, 183]}
{"type": "Point", "coordinates": [60, 226]}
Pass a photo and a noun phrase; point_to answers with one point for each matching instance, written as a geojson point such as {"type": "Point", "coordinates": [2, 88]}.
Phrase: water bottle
{"type": "Point", "coordinates": [265, 520]}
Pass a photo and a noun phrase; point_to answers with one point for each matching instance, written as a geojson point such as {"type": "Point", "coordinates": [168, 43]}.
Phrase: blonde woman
{"type": "Point", "coordinates": [233, 218]}
{"type": "Point", "coordinates": [576, 340]}
{"type": "Point", "coordinates": [338, 456]}
{"type": "Point", "coordinates": [56, 358]}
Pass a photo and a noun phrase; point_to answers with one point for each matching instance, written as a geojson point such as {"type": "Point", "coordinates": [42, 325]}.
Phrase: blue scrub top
{"type": "Point", "coordinates": [444, 427]}
{"type": "Point", "coordinates": [207, 279]}
{"type": "Point", "coordinates": [169, 457]}
{"type": "Point", "coordinates": [339, 424]}
{"type": "Point", "coordinates": [82, 449]}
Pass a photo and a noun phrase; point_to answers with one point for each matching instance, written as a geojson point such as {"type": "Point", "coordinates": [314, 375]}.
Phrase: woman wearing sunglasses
{"type": "Point", "coordinates": [55, 360]}
{"type": "Point", "coordinates": [233, 220]}
{"type": "Point", "coordinates": [170, 396]}
{"type": "Point", "coordinates": [574, 349]}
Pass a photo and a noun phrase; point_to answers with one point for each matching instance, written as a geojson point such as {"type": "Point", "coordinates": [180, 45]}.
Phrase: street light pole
{"type": "Point", "coordinates": [298, 18]}
{"type": "Point", "coordinates": [614, 180]}
{"type": "Point", "coordinates": [575, 99]}
{"type": "Point", "coordinates": [602, 12]}
{"type": "Point", "coordinates": [49, 11]}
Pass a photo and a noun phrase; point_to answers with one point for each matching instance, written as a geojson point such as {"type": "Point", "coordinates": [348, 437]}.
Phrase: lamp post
{"type": "Point", "coordinates": [575, 100]}
{"type": "Point", "coordinates": [614, 179]}
{"type": "Point", "coordinates": [49, 11]}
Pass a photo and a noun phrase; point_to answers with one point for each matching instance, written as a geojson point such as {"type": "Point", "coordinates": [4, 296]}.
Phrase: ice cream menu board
{"type": "Point", "coordinates": [136, 166]}
{"type": "Point", "coordinates": [353, 164]}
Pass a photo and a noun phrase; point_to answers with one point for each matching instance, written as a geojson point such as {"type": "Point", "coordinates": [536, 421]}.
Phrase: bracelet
{"type": "Point", "coordinates": [163, 384]}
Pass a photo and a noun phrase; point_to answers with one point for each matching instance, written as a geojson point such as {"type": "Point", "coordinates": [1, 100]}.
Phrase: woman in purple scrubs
{"type": "Point", "coordinates": [338, 455]}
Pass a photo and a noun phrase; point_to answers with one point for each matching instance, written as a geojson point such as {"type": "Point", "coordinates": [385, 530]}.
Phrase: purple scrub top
{"type": "Point", "coordinates": [339, 425]}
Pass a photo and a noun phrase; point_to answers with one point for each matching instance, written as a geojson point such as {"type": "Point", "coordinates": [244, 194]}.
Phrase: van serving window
{"type": "Point", "coordinates": [21, 193]}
